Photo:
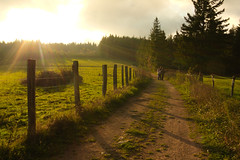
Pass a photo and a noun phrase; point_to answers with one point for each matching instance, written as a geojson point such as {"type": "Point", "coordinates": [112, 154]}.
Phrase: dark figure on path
{"type": "Point", "coordinates": [162, 73]}
{"type": "Point", "coordinates": [159, 73]}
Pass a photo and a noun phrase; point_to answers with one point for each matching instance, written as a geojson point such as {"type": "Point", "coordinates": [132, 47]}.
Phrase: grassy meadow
{"type": "Point", "coordinates": [224, 85]}
{"type": "Point", "coordinates": [50, 101]}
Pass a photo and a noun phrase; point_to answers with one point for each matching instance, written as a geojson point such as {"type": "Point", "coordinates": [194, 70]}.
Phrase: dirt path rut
{"type": "Point", "coordinates": [175, 131]}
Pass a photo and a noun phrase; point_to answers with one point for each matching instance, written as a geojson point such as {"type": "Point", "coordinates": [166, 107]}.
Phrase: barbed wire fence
{"type": "Point", "coordinates": [41, 91]}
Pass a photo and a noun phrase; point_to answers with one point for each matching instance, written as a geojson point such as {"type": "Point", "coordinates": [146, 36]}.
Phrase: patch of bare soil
{"type": "Point", "coordinates": [175, 139]}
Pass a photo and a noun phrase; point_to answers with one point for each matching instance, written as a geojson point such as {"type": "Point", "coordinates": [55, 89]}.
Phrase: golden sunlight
{"type": "Point", "coordinates": [48, 27]}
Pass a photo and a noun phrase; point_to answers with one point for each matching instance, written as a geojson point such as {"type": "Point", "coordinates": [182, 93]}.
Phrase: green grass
{"type": "Point", "coordinates": [224, 85]}
{"type": "Point", "coordinates": [216, 114]}
{"type": "Point", "coordinates": [54, 103]}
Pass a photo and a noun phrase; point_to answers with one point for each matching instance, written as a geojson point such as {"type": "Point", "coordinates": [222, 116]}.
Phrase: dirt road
{"type": "Point", "coordinates": [170, 142]}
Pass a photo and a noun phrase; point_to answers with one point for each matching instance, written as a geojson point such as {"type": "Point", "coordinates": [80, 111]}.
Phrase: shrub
{"type": "Point", "coordinates": [52, 78]}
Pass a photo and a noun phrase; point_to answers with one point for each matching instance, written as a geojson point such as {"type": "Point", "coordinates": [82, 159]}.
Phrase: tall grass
{"type": "Point", "coordinates": [217, 116]}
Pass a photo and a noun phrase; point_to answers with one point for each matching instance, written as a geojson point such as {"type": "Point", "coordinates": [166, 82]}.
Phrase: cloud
{"type": "Point", "coordinates": [47, 5]}
{"type": "Point", "coordinates": [232, 11]}
{"type": "Point", "coordinates": [121, 17]}
{"type": "Point", "coordinates": [133, 17]}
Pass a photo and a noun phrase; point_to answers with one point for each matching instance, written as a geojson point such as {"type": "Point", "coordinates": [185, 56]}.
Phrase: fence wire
{"type": "Point", "coordinates": [51, 98]}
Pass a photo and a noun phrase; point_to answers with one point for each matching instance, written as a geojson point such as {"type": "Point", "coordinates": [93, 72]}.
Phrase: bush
{"type": "Point", "coordinates": [52, 78]}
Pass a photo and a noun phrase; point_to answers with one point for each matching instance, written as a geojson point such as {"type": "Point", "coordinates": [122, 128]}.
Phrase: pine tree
{"type": "Point", "coordinates": [205, 19]}
{"type": "Point", "coordinates": [204, 35]}
{"type": "Point", "coordinates": [158, 43]}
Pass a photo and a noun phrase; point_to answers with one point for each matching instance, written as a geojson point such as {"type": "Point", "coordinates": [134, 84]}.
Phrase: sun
{"type": "Point", "coordinates": [60, 26]}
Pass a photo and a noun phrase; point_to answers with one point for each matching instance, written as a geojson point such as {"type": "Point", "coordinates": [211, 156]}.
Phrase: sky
{"type": "Point", "coordinates": [66, 21]}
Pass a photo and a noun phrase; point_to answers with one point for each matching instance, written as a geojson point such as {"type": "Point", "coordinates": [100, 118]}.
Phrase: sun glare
{"type": "Point", "coordinates": [49, 27]}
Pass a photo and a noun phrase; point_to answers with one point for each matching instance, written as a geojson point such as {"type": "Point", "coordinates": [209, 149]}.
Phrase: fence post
{"type": "Point", "coordinates": [130, 74]}
{"type": "Point", "coordinates": [31, 67]}
{"type": "Point", "coordinates": [133, 73]}
{"type": "Point", "coordinates": [126, 75]}
{"type": "Point", "coordinates": [122, 76]}
{"type": "Point", "coordinates": [115, 77]}
{"type": "Point", "coordinates": [233, 82]}
{"type": "Point", "coordinates": [212, 80]}
{"type": "Point", "coordinates": [104, 86]}
{"type": "Point", "coordinates": [76, 85]}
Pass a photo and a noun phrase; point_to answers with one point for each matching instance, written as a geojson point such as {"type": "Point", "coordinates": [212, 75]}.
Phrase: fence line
{"type": "Point", "coordinates": [213, 84]}
{"type": "Point", "coordinates": [31, 86]}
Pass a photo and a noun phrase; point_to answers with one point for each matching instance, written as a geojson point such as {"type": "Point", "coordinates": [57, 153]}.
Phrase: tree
{"type": "Point", "coordinates": [204, 35]}
{"type": "Point", "coordinates": [205, 20]}
{"type": "Point", "coordinates": [144, 55]}
{"type": "Point", "coordinates": [158, 44]}
{"type": "Point", "coordinates": [235, 53]}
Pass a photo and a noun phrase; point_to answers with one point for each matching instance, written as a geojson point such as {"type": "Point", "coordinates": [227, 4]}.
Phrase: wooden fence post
{"type": "Point", "coordinates": [233, 82]}
{"type": "Point", "coordinates": [130, 74]}
{"type": "Point", "coordinates": [76, 85]}
{"type": "Point", "coordinates": [104, 86]}
{"type": "Point", "coordinates": [122, 76]}
{"type": "Point", "coordinates": [212, 80]}
{"type": "Point", "coordinates": [133, 73]}
{"type": "Point", "coordinates": [31, 67]}
{"type": "Point", "coordinates": [126, 75]}
{"type": "Point", "coordinates": [115, 77]}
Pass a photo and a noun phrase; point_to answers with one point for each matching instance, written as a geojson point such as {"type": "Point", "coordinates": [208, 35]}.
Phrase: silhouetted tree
{"type": "Point", "coordinates": [204, 36]}
{"type": "Point", "coordinates": [158, 44]}
{"type": "Point", "coordinates": [235, 52]}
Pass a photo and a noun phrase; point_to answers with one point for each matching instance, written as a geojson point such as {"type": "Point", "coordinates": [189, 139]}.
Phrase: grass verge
{"type": "Point", "coordinates": [216, 115]}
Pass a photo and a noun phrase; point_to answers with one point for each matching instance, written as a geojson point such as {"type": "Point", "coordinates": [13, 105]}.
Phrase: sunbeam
{"type": "Point", "coordinates": [41, 54]}
{"type": "Point", "coordinates": [17, 56]}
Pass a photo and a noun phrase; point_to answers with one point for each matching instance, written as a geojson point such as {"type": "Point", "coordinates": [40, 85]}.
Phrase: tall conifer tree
{"type": "Point", "coordinates": [204, 35]}
{"type": "Point", "coordinates": [158, 43]}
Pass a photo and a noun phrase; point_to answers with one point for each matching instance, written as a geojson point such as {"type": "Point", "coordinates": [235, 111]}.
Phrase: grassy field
{"type": "Point", "coordinates": [50, 101]}
{"type": "Point", "coordinates": [224, 85]}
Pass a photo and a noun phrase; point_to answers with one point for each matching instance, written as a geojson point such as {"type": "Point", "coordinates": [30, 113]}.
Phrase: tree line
{"type": "Point", "coordinates": [204, 43]}
{"type": "Point", "coordinates": [117, 47]}
{"type": "Point", "coordinates": [23, 50]}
